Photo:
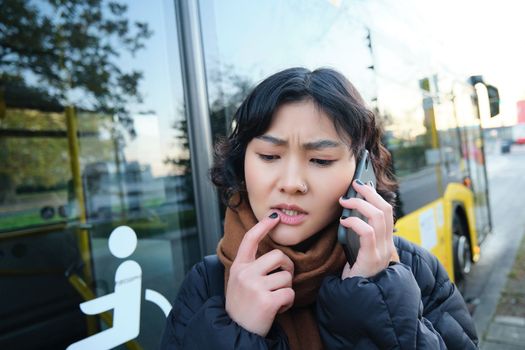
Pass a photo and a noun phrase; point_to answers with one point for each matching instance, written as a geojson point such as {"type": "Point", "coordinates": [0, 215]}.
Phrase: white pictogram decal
{"type": "Point", "coordinates": [125, 300]}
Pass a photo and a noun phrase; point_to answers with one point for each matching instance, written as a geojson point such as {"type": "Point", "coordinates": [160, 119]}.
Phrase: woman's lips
{"type": "Point", "coordinates": [287, 219]}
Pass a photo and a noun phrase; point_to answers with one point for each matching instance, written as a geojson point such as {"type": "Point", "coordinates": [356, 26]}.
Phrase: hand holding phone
{"type": "Point", "coordinates": [346, 236]}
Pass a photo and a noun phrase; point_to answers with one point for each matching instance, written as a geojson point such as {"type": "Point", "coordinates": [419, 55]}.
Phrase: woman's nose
{"type": "Point", "coordinates": [293, 183]}
{"type": "Point", "coordinates": [297, 187]}
{"type": "Point", "coordinates": [292, 177]}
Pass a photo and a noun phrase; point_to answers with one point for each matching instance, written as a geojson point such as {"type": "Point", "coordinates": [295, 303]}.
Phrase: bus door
{"type": "Point", "coordinates": [474, 158]}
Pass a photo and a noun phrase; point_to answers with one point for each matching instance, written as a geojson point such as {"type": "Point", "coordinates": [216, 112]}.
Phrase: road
{"type": "Point", "coordinates": [506, 174]}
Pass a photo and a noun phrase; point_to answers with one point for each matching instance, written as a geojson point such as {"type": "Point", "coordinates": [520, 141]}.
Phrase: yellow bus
{"type": "Point", "coordinates": [443, 195]}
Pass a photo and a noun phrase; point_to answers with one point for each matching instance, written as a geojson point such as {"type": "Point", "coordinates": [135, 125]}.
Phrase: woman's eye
{"type": "Point", "coordinates": [268, 157]}
{"type": "Point", "coordinates": [322, 162]}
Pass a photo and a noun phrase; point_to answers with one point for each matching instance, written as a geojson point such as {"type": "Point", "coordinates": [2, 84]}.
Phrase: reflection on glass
{"type": "Point", "coordinates": [92, 126]}
{"type": "Point", "coordinates": [317, 34]}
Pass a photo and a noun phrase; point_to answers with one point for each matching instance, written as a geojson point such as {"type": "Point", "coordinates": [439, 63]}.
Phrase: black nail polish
{"type": "Point", "coordinates": [359, 182]}
{"type": "Point", "coordinates": [343, 217]}
{"type": "Point", "coordinates": [273, 216]}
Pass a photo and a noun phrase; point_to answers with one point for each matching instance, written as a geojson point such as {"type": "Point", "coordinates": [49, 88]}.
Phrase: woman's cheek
{"type": "Point", "coordinates": [335, 184]}
{"type": "Point", "coordinates": [330, 192]}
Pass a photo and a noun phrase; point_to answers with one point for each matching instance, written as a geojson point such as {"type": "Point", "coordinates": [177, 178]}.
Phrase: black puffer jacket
{"type": "Point", "coordinates": [409, 305]}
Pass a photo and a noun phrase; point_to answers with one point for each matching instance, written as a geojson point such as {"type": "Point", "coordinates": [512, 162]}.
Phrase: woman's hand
{"type": "Point", "coordinates": [254, 295]}
{"type": "Point", "coordinates": [376, 237]}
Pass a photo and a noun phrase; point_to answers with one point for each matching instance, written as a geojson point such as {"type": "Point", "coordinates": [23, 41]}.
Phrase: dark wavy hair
{"type": "Point", "coordinates": [333, 94]}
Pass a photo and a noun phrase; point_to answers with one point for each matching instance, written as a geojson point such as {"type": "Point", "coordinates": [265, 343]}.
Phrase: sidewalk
{"type": "Point", "coordinates": [506, 330]}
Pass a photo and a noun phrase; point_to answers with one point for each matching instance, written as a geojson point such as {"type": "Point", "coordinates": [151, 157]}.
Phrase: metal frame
{"type": "Point", "coordinates": [199, 126]}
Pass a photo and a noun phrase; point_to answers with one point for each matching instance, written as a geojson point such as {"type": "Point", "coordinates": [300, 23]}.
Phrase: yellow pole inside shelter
{"type": "Point", "coordinates": [81, 231]}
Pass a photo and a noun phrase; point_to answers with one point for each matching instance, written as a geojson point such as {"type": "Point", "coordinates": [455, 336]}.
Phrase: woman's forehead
{"type": "Point", "coordinates": [306, 121]}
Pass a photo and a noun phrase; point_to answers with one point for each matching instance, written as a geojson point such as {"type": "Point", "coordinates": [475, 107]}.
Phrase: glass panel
{"type": "Point", "coordinates": [317, 34]}
{"type": "Point", "coordinates": [93, 136]}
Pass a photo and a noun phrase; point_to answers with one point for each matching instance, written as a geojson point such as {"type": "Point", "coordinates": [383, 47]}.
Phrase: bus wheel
{"type": "Point", "coordinates": [462, 251]}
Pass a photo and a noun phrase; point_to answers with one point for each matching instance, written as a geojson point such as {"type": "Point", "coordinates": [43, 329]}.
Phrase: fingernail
{"type": "Point", "coordinates": [273, 216]}
{"type": "Point", "coordinates": [343, 217]}
{"type": "Point", "coordinates": [345, 197]}
{"type": "Point", "coordinates": [359, 182]}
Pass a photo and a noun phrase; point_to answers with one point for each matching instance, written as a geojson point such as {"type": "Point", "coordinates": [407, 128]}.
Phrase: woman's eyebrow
{"type": "Point", "coordinates": [314, 145]}
{"type": "Point", "coordinates": [272, 139]}
{"type": "Point", "coordinates": [321, 144]}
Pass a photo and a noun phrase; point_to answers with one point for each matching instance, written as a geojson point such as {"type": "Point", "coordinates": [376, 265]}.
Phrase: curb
{"type": "Point", "coordinates": [506, 330]}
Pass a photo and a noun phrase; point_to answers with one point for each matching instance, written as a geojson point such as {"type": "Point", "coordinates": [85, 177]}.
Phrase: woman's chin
{"type": "Point", "coordinates": [288, 236]}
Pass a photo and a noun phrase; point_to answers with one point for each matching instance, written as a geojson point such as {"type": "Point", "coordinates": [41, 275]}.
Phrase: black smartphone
{"type": "Point", "coordinates": [346, 236]}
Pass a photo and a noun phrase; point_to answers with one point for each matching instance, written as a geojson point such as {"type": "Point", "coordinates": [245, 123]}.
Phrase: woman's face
{"type": "Point", "coordinates": [301, 147]}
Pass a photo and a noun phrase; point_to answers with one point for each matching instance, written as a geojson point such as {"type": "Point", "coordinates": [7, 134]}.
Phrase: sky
{"type": "Point", "coordinates": [465, 37]}
{"type": "Point", "coordinates": [483, 37]}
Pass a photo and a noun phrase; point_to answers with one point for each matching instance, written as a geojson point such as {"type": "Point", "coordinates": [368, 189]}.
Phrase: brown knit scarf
{"type": "Point", "coordinates": [325, 256]}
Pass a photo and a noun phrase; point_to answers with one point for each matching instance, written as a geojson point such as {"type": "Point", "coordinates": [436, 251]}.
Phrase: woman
{"type": "Point", "coordinates": [287, 284]}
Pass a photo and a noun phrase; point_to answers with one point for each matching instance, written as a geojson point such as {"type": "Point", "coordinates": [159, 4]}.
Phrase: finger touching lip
{"type": "Point", "coordinates": [291, 217]}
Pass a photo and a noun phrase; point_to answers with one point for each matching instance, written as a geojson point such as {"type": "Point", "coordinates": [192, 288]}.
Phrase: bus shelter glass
{"type": "Point", "coordinates": [93, 137]}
